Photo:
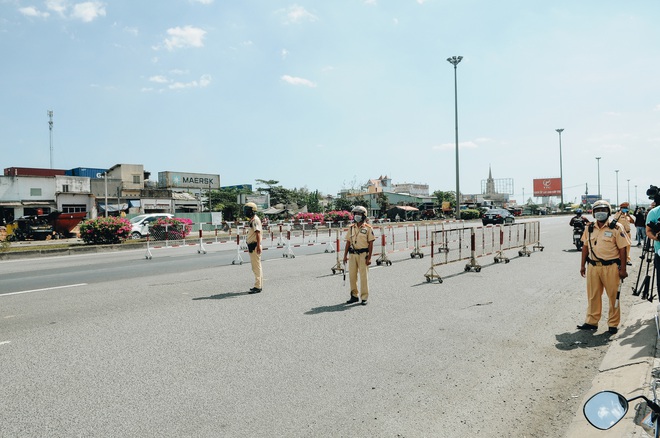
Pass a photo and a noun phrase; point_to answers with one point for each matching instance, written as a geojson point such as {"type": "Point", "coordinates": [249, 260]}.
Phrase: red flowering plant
{"type": "Point", "coordinates": [338, 216]}
{"type": "Point", "coordinates": [105, 230]}
{"type": "Point", "coordinates": [170, 228]}
{"type": "Point", "coordinates": [309, 217]}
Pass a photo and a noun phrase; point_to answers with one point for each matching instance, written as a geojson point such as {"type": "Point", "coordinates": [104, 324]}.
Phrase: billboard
{"type": "Point", "coordinates": [547, 187]}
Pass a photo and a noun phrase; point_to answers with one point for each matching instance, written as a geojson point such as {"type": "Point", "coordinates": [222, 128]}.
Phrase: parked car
{"type": "Point", "coordinates": [142, 223]}
{"type": "Point", "coordinates": [497, 216]}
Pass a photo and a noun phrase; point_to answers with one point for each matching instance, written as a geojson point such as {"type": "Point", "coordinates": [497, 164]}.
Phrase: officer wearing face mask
{"type": "Point", "coordinates": [627, 220]}
{"type": "Point", "coordinates": [605, 252]}
{"type": "Point", "coordinates": [254, 244]}
{"type": "Point", "coordinates": [359, 244]}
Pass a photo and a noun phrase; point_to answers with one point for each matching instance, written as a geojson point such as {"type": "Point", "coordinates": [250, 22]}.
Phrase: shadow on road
{"type": "Point", "coordinates": [334, 308]}
{"type": "Point", "coordinates": [222, 296]}
{"type": "Point", "coordinates": [581, 339]}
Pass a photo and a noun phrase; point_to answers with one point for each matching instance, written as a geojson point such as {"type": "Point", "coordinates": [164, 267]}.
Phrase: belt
{"type": "Point", "coordinates": [351, 250]}
{"type": "Point", "coordinates": [603, 262]}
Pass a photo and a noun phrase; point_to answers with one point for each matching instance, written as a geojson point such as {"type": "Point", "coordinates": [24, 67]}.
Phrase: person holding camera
{"type": "Point", "coordinates": [653, 230]}
{"type": "Point", "coordinates": [360, 245]}
{"type": "Point", "coordinates": [254, 244]}
{"type": "Point", "coordinates": [605, 250]}
{"type": "Point", "coordinates": [640, 224]}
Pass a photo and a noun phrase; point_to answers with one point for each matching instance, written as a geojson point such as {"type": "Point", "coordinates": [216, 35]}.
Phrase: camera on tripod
{"type": "Point", "coordinates": [654, 193]}
{"type": "Point", "coordinates": [654, 226]}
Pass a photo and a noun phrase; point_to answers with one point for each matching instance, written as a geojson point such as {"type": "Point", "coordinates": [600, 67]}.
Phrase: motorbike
{"type": "Point", "coordinates": [606, 408]}
{"type": "Point", "coordinates": [578, 231]}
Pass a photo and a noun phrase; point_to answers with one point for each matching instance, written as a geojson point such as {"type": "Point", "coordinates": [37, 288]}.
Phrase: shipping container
{"type": "Point", "coordinates": [33, 171]}
{"type": "Point", "coordinates": [89, 172]}
{"type": "Point", "coordinates": [188, 180]}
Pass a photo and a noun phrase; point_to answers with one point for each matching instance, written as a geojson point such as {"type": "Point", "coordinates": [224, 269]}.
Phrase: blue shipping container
{"type": "Point", "coordinates": [86, 171]}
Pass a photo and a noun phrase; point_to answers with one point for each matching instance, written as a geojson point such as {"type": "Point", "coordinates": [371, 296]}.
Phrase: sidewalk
{"type": "Point", "coordinates": [626, 369]}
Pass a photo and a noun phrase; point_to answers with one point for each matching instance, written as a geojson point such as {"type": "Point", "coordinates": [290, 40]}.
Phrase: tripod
{"type": "Point", "coordinates": [646, 288]}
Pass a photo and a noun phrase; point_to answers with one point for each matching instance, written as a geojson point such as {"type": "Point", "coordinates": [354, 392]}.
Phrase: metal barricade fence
{"type": "Point", "coordinates": [483, 241]}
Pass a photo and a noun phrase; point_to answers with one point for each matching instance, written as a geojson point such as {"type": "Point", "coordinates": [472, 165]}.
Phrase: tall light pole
{"type": "Point", "coordinates": [455, 60]}
{"type": "Point", "coordinates": [617, 187]}
{"type": "Point", "coordinates": [50, 128]}
{"type": "Point", "coordinates": [561, 174]}
{"type": "Point", "coordinates": [598, 161]}
{"type": "Point", "coordinates": [635, 195]}
{"type": "Point", "coordinates": [628, 200]}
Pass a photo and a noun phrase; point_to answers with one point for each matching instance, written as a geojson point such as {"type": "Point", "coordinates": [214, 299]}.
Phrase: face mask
{"type": "Point", "coordinates": [625, 210]}
{"type": "Point", "coordinates": [358, 218]}
{"type": "Point", "coordinates": [601, 216]}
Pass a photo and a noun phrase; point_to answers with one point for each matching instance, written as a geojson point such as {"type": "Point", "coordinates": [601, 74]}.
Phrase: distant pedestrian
{"type": "Point", "coordinates": [254, 244]}
{"type": "Point", "coordinates": [359, 244]}
{"type": "Point", "coordinates": [640, 224]}
{"type": "Point", "coordinates": [605, 248]}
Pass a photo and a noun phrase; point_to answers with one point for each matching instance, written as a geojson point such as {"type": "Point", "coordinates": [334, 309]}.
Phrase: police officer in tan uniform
{"type": "Point", "coordinates": [254, 244]}
{"type": "Point", "coordinates": [626, 219]}
{"type": "Point", "coordinates": [359, 244]}
{"type": "Point", "coordinates": [605, 251]}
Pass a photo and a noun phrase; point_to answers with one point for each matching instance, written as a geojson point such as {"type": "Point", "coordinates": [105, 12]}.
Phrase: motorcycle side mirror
{"type": "Point", "coordinates": [605, 409]}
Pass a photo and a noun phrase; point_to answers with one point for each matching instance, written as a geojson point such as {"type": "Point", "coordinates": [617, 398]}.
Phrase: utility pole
{"type": "Point", "coordinates": [50, 128]}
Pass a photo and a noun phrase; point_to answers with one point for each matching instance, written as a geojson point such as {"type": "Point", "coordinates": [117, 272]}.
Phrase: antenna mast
{"type": "Point", "coordinates": [50, 128]}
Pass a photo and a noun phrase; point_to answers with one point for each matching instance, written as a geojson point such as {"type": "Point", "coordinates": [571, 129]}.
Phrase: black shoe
{"type": "Point", "coordinates": [613, 330]}
{"type": "Point", "coordinates": [364, 303]}
{"type": "Point", "coordinates": [629, 263]}
{"type": "Point", "coordinates": [586, 326]}
{"type": "Point", "coordinates": [254, 290]}
{"type": "Point", "coordinates": [639, 244]}
{"type": "Point", "coordinates": [352, 300]}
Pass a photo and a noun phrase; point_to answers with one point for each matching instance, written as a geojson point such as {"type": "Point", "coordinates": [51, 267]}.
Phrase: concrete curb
{"type": "Point", "coordinates": [626, 369]}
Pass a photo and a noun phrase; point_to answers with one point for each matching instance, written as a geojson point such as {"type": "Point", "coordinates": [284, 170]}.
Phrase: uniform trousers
{"type": "Point", "coordinates": [599, 277]}
{"type": "Point", "coordinates": [255, 260]}
{"type": "Point", "coordinates": [358, 263]}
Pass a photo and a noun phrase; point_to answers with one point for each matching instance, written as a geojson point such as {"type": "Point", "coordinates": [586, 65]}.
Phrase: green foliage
{"type": "Point", "coordinates": [105, 230]}
{"type": "Point", "coordinates": [445, 197]}
{"type": "Point", "coordinates": [470, 214]}
{"type": "Point", "coordinates": [226, 201]}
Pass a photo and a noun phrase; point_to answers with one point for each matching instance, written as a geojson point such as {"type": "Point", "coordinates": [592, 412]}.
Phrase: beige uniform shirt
{"type": "Point", "coordinates": [360, 236]}
{"type": "Point", "coordinates": [604, 243]}
{"type": "Point", "coordinates": [254, 227]}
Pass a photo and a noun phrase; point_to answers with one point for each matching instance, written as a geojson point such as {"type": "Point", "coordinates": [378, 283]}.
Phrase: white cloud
{"type": "Point", "coordinates": [203, 2]}
{"type": "Point", "coordinates": [58, 6]}
{"type": "Point", "coordinates": [31, 11]}
{"type": "Point", "coordinates": [298, 81]}
{"type": "Point", "coordinates": [159, 79]}
{"type": "Point", "coordinates": [370, 2]}
{"type": "Point", "coordinates": [657, 107]}
{"type": "Point", "coordinates": [284, 53]}
{"type": "Point", "coordinates": [88, 11]}
{"type": "Point", "coordinates": [188, 36]}
{"type": "Point", "coordinates": [204, 81]}
{"type": "Point", "coordinates": [297, 14]}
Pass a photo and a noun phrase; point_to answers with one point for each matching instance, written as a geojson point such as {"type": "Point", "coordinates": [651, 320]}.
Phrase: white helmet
{"type": "Point", "coordinates": [602, 204]}
{"type": "Point", "coordinates": [359, 209]}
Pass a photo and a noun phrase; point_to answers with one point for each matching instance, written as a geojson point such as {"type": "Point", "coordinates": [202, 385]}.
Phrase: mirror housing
{"type": "Point", "coordinates": [605, 409]}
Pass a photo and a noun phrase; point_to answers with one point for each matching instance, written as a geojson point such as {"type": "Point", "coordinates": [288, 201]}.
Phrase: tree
{"type": "Point", "coordinates": [226, 201]}
{"type": "Point", "coordinates": [445, 197]}
{"type": "Point", "coordinates": [383, 202]}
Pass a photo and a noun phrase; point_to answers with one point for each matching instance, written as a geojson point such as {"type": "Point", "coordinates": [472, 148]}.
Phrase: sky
{"type": "Point", "coordinates": [326, 95]}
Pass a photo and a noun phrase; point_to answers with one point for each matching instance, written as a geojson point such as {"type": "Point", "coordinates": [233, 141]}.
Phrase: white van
{"type": "Point", "coordinates": [142, 223]}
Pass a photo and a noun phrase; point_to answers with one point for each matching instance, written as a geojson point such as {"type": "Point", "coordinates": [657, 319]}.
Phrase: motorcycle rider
{"type": "Point", "coordinates": [579, 221]}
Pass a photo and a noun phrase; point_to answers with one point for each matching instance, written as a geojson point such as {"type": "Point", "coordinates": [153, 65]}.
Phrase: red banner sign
{"type": "Point", "coordinates": [547, 187]}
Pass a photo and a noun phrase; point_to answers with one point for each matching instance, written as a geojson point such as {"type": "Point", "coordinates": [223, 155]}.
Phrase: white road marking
{"type": "Point", "coordinates": [5, 342]}
{"type": "Point", "coordinates": [42, 290]}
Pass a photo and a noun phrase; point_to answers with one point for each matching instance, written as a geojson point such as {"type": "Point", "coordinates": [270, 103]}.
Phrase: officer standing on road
{"type": "Point", "coordinates": [653, 230]}
{"type": "Point", "coordinates": [625, 219]}
{"type": "Point", "coordinates": [359, 244]}
{"type": "Point", "coordinates": [254, 244]}
{"type": "Point", "coordinates": [605, 247]}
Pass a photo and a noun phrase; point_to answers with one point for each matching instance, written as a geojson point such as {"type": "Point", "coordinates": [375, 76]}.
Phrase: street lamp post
{"type": "Point", "coordinates": [561, 174]}
{"type": "Point", "coordinates": [454, 60]}
{"type": "Point", "coordinates": [598, 161]}
{"type": "Point", "coordinates": [628, 200]}
{"type": "Point", "coordinates": [635, 195]}
{"type": "Point", "coordinates": [617, 187]}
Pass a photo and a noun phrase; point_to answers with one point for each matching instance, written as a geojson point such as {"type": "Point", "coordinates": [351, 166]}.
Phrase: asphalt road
{"type": "Point", "coordinates": [117, 345]}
